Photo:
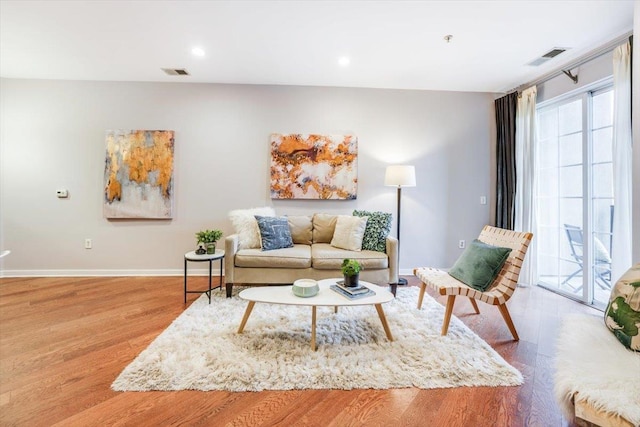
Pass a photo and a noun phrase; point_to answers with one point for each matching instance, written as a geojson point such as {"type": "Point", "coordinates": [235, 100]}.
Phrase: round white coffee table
{"type": "Point", "coordinates": [325, 297]}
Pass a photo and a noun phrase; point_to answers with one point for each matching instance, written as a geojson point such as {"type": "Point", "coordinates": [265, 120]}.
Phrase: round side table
{"type": "Point", "coordinates": [194, 257]}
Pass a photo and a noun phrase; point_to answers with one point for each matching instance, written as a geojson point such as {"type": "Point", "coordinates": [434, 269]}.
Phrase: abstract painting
{"type": "Point", "coordinates": [314, 166]}
{"type": "Point", "coordinates": [138, 174]}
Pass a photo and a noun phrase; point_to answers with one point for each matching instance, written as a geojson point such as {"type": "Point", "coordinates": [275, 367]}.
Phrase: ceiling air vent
{"type": "Point", "coordinates": [547, 56]}
{"type": "Point", "coordinates": [553, 53]}
{"type": "Point", "coordinates": [175, 71]}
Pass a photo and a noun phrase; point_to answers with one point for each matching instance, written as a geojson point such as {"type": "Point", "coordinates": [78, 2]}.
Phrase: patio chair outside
{"type": "Point", "coordinates": [601, 259]}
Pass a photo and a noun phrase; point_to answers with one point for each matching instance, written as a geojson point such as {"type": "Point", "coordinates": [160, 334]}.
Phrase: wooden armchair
{"type": "Point", "coordinates": [500, 290]}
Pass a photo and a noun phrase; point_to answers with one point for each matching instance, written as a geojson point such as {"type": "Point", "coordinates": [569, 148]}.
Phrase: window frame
{"type": "Point", "coordinates": [585, 94]}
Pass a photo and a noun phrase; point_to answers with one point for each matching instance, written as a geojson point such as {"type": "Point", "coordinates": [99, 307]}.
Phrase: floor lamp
{"type": "Point", "coordinates": [400, 176]}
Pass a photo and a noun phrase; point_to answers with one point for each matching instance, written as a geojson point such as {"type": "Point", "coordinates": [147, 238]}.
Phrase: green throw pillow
{"type": "Point", "coordinates": [622, 315]}
{"type": "Point", "coordinates": [377, 230]}
{"type": "Point", "coordinates": [479, 264]}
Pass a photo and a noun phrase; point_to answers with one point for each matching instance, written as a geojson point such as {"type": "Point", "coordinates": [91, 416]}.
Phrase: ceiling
{"type": "Point", "coordinates": [391, 44]}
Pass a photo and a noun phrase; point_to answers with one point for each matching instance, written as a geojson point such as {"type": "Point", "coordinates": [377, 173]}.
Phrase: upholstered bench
{"type": "Point", "coordinates": [597, 377]}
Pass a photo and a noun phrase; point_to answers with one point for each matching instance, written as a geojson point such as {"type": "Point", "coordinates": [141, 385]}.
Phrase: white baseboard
{"type": "Point", "coordinates": [116, 273]}
{"type": "Point", "coordinates": [107, 273]}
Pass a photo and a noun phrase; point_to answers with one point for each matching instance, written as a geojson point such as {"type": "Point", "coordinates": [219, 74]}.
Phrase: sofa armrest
{"type": "Point", "coordinates": [392, 253]}
{"type": "Point", "coordinates": [230, 250]}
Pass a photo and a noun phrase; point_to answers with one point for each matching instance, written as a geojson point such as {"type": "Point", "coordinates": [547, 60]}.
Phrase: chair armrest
{"type": "Point", "coordinates": [230, 250]}
{"type": "Point", "coordinates": [392, 253]}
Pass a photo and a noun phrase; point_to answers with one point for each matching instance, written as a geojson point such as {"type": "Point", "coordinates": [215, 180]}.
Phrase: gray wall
{"type": "Point", "coordinates": [53, 136]}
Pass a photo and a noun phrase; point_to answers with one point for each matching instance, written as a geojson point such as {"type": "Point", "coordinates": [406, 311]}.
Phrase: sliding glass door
{"type": "Point", "coordinates": [575, 195]}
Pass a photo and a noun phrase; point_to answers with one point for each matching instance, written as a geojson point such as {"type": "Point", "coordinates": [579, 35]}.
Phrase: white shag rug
{"type": "Point", "coordinates": [201, 350]}
{"type": "Point", "coordinates": [591, 361]}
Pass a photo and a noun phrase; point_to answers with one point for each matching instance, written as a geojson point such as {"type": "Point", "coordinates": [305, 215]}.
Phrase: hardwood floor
{"type": "Point", "coordinates": [64, 340]}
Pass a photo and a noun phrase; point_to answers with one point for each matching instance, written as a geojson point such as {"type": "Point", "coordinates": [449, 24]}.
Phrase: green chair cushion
{"type": "Point", "coordinates": [479, 264]}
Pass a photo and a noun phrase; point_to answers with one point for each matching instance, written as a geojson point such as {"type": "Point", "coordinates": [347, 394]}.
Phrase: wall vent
{"type": "Point", "coordinates": [175, 71]}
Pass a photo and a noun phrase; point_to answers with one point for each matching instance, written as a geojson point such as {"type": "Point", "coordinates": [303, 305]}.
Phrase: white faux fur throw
{"type": "Point", "coordinates": [591, 361]}
{"type": "Point", "coordinates": [246, 226]}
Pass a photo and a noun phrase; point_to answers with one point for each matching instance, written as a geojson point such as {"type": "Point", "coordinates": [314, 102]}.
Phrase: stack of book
{"type": "Point", "coordinates": [352, 292]}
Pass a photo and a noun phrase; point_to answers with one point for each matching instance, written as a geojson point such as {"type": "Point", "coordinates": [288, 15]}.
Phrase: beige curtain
{"type": "Point", "coordinates": [525, 206]}
{"type": "Point", "coordinates": [622, 167]}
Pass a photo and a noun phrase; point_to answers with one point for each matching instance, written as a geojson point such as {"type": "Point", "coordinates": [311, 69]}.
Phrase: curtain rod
{"type": "Point", "coordinates": [589, 56]}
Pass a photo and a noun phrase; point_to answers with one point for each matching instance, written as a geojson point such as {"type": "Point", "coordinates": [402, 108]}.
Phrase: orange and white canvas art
{"type": "Point", "coordinates": [138, 174]}
{"type": "Point", "coordinates": [314, 166]}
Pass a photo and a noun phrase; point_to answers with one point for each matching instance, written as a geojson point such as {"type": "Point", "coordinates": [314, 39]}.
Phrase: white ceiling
{"type": "Point", "coordinates": [391, 44]}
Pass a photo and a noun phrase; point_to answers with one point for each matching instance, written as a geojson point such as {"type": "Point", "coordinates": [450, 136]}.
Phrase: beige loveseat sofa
{"type": "Point", "coordinates": [312, 256]}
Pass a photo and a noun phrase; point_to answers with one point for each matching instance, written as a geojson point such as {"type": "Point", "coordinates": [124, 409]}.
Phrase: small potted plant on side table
{"type": "Point", "coordinates": [209, 239]}
{"type": "Point", "coordinates": [351, 271]}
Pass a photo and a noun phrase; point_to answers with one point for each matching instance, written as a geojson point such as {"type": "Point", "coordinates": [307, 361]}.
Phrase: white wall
{"type": "Point", "coordinates": [53, 136]}
{"type": "Point", "coordinates": [636, 133]}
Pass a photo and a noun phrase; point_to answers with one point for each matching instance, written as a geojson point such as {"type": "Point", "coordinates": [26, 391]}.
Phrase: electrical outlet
{"type": "Point", "coordinates": [88, 243]}
{"type": "Point", "coordinates": [461, 244]}
{"type": "Point", "coordinates": [483, 200]}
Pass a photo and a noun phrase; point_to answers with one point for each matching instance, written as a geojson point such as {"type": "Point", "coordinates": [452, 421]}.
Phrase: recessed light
{"type": "Point", "coordinates": [197, 51]}
{"type": "Point", "coordinates": [344, 61]}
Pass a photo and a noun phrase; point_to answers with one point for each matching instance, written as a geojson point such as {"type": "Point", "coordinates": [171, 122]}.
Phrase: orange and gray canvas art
{"type": "Point", "coordinates": [314, 166]}
{"type": "Point", "coordinates": [138, 174]}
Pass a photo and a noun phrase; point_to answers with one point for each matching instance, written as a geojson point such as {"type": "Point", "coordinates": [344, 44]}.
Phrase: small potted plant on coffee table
{"type": "Point", "coordinates": [209, 239]}
{"type": "Point", "coordinates": [351, 271]}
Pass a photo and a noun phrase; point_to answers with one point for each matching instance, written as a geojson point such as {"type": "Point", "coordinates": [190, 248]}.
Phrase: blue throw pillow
{"type": "Point", "coordinates": [376, 231]}
{"type": "Point", "coordinates": [274, 232]}
{"type": "Point", "coordinates": [479, 264]}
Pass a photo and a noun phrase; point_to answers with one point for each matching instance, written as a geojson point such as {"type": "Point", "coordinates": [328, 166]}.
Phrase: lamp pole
{"type": "Point", "coordinates": [400, 176]}
{"type": "Point", "coordinates": [401, 280]}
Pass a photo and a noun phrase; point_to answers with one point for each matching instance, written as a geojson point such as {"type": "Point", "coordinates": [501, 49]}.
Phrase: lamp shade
{"type": "Point", "coordinates": [400, 176]}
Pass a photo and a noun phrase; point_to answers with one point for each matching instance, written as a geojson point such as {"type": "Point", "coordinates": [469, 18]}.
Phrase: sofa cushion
{"type": "Point", "coordinates": [299, 256]}
{"type": "Point", "coordinates": [378, 228]}
{"type": "Point", "coordinates": [349, 232]}
{"type": "Point", "coordinates": [326, 257]}
{"type": "Point", "coordinates": [274, 232]}
{"type": "Point", "coordinates": [246, 226]}
{"type": "Point", "coordinates": [301, 229]}
{"type": "Point", "coordinates": [323, 227]}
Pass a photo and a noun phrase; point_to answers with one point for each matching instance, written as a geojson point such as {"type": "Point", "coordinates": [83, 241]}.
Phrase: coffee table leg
{"type": "Point", "coordinates": [313, 328]}
{"type": "Point", "coordinates": [247, 312]}
{"type": "Point", "coordinates": [383, 319]}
